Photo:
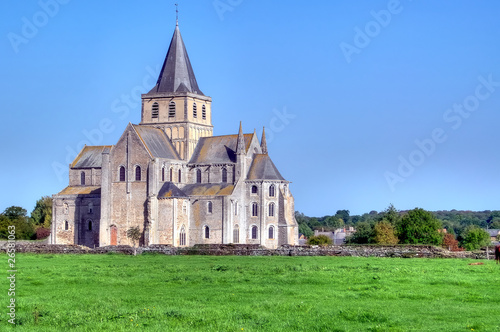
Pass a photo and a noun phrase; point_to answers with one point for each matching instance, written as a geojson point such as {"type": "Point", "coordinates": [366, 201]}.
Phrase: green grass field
{"type": "Point", "coordinates": [209, 293]}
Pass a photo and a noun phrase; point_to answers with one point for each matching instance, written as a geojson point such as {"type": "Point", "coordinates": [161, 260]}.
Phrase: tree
{"type": "Point", "coordinates": [14, 212]}
{"type": "Point", "coordinates": [306, 230]}
{"type": "Point", "coordinates": [391, 215]}
{"type": "Point", "coordinates": [450, 243]}
{"type": "Point", "coordinates": [364, 233]}
{"type": "Point", "coordinates": [41, 215]}
{"type": "Point", "coordinates": [333, 222]}
{"type": "Point", "coordinates": [343, 214]}
{"type": "Point", "coordinates": [384, 233]}
{"type": "Point", "coordinates": [474, 238]}
{"type": "Point", "coordinates": [16, 216]}
{"type": "Point", "coordinates": [321, 240]}
{"type": "Point", "coordinates": [419, 227]}
{"type": "Point", "coordinates": [134, 234]}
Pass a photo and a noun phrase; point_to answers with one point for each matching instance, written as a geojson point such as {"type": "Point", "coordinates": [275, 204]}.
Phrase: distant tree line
{"type": "Point", "coordinates": [36, 226]}
{"type": "Point", "coordinates": [451, 229]}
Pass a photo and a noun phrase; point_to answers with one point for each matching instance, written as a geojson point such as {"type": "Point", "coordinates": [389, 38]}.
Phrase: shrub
{"type": "Point", "coordinates": [42, 233]}
{"type": "Point", "coordinates": [321, 240]}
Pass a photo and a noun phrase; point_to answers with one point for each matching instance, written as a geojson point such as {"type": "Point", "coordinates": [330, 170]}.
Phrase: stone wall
{"type": "Point", "coordinates": [398, 251]}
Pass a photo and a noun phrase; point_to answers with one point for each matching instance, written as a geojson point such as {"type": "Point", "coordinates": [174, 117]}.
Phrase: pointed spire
{"type": "Point", "coordinates": [240, 146]}
{"type": "Point", "coordinates": [263, 143]}
{"type": "Point", "coordinates": [176, 14]}
{"type": "Point", "coordinates": [177, 75]}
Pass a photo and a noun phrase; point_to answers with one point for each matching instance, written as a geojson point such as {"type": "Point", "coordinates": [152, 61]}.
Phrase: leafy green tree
{"type": "Point", "coordinates": [333, 222]}
{"type": "Point", "coordinates": [391, 215]}
{"type": "Point", "coordinates": [16, 216]}
{"type": "Point", "coordinates": [42, 213]}
{"type": "Point", "coordinates": [306, 230]}
{"type": "Point", "coordinates": [321, 240]}
{"type": "Point", "coordinates": [419, 227]}
{"type": "Point", "coordinates": [364, 233]}
{"type": "Point", "coordinates": [384, 233]}
{"type": "Point", "coordinates": [344, 215]}
{"type": "Point", "coordinates": [474, 238]}
{"type": "Point", "coordinates": [495, 223]}
{"type": "Point", "coordinates": [134, 234]}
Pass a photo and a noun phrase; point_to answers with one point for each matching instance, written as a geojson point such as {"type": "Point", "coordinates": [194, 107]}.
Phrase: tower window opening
{"type": "Point", "coordinates": [154, 111]}
{"type": "Point", "coordinates": [171, 109]}
{"type": "Point", "coordinates": [203, 112]}
{"type": "Point", "coordinates": [195, 111]}
{"type": "Point", "coordinates": [122, 173]}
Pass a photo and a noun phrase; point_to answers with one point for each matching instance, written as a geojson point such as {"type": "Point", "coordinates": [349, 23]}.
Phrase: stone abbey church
{"type": "Point", "coordinates": [170, 177]}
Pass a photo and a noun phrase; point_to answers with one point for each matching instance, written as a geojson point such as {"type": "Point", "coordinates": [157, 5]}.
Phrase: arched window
{"type": "Point", "coordinates": [254, 189]}
{"type": "Point", "coordinates": [271, 210]}
{"type": "Point", "coordinates": [203, 112]}
{"type": "Point", "coordinates": [271, 190]}
{"type": "Point", "coordinates": [254, 232]}
{"type": "Point", "coordinates": [66, 225]}
{"type": "Point", "coordinates": [171, 109]}
{"type": "Point", "coordinates": [122, 173]}
{"type": "Point", "coordinates": [182, 236]}
{"type": "Point", "coordinates": [236, 234]}
{"type": "Point", "coordinates": [224, 175]}
{"type": "Point", "coordinates": [207, 232]}
{"type": "Point", "coordinates": [163, 174]}
{"type": "Point", "coordinates": [138, 173]}
{"type": "Point", "coordinates": [271, 232]}
{"type": "Point", "coordinates": [255, 209]}
{"type": "Point", "coordinates": [154, 111]}
{"type": "Point", "coordinates": [82, 178]}
{"type": "Point", "coordinates": [195, 112]}
{"type": "Point", "coordinates": [90, 208]}
{"type": "Point", "coordinates": [90, 225]}
{"type": "Point", "coordinates": [180, 176]}
{"type": "Point", "coordinates": [209, 207]}
{"type": "Point", "coordinates": [198, 175]}
{"type": "Point", "coordinates": [171, 175]}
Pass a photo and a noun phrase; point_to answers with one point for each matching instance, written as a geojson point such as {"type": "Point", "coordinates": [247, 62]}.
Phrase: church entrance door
{"type": "Point", "coordinates": [113, 235]}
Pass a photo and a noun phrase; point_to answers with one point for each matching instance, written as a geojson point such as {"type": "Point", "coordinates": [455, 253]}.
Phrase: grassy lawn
{"type": "Point", "coordinates": [231, 293]}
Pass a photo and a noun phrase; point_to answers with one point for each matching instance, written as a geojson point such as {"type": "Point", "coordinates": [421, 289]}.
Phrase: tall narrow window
{"type": "Point", "coordinates": [224, 175]}
{"type": "Point", "coordinates": [82, 178]}
{"type": "Point", "coordinates": [171, 109]}
{"type": "Point", "coordinates": [90, 225]}
{"type": "Point", "coordinates": [122, 173]}
{"type": "Point", "coordinates": [138, 173]}
{"type": "Point", "coordinates": [66, 225]}
{"type": "Point", "coordinates": [180, 176]}
{"type": "Point", "coordinates": [236, 234]}
{"type": "Point", "coordinates": [184, 208]}
{"type": "Point", "coordinates": [195, 111]}
{"type": "Point", "coordinates": [154, 111]}
{"type": "Point", "coordinates": [271, 232]}
{"type": "Point", "coordinates": [254, 189]}
{"type": "Point", "coordinates": [171, 175]}
{"type": "Point", "coordinates": [207, 232]}
{"type": "Point", "coordinates": [182, 237]}
{"type": "Point", "coordinates": [271, 210]}
{"type": "Point", "coordinates": [235, 208]}
{"type": "Point", "coordinates": [254, 232]}
{"type": "Point", "coordinates": [90, 208]}
{"type": "Point", "coordinates": [271, 190]}
{"type": "Point", "coordinates": [255, 209]}
{"type": "Point", "coordinates": [209, 207]}
{"type": "Point", "coordinates": [163, 174]}
{"type": "Point", "coordinates": [198, 175]}
{"type": "Point", "coordinates": [203, 112]}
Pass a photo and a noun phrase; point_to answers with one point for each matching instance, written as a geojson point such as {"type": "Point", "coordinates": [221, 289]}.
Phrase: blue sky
{"type": "Point", "coordinates": [366, 103]}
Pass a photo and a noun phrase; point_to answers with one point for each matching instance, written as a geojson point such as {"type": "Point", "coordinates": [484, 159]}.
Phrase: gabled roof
{"type": "Point", "coordinates": [208, 189]}
{"type": "Point", "coordinates": [81, 190]}
{"type": "Point", "coordinates": [90, 157]}
{"type": "Point", "coordinates": [170, 190]}
{"type": "Point", "coordinates": [156, 142]}
{"type": "Point", "coordinates": [493, 232]}
{"type": "Point", "coordinates": [218, 149]}
{"type": "Point", "coordinates": [176, 75]}
{"type": "Point", "coordinates": [263, 169]}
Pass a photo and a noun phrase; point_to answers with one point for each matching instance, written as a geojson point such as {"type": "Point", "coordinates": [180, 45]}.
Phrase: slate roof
{"type": "Point", "coordinates": [80, 190]}
{"type": "Point", "coordinates": [218, 149]}
{"type": "Point", "coordinates": [156, 142]}
{"type": "Point", "coordinates": [176, 75]}
{"type": "Point", "coordinates": [263, 169]}
{"type": "Point", "coordinates": [493, 232]}
{"type": "Point", "coordinates": [208, 189]}
{"type": "Point", "coordinates": [90, 157]}
{"type": "Point", "coordinates": [170, 190]}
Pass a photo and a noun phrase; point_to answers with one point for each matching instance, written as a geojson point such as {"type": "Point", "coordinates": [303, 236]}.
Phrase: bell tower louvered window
{"type": "Point", "coordinates": [171, 110]}
{"type": "Point", "coordinates": [154, 111]}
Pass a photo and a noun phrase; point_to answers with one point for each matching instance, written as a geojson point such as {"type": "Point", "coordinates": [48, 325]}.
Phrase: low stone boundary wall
{"type": "Point", "coordinates": [401, 251]}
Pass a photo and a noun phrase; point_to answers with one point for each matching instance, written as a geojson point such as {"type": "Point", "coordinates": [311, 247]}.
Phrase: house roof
{"type": "Point", "coordinates": [218, 149]}
{"type": "Point", "coordinates": [80, 190]}
{"type": "Point", "coordinates": [176, 75]}
{"type": "Point", "coordinates": [263, 169]}
{"type": "Point", "coordinates": [169, 190]}
{"type": "Point", "coordinates": [493, 232]}
{"type": "Point", "coordinates": [156, 142]}
{"type": "Point", "coordinates": [208, 189]}
{"type": "Point", "coordinates": [90, 157]}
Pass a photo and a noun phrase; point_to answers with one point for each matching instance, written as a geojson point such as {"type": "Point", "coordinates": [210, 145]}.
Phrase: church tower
{"type": "Point", "coordinates": [176, 104]}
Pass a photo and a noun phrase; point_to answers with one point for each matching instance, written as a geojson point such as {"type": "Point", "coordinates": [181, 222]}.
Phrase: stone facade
{"type": "Point", "coordinates": [174, 180]}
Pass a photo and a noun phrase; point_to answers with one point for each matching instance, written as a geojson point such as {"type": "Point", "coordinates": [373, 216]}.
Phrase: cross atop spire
{"type": "Point", "coordinates": [176, 14]}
